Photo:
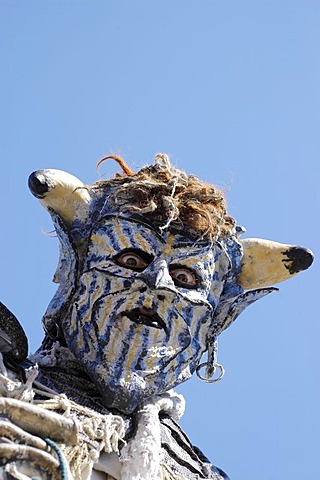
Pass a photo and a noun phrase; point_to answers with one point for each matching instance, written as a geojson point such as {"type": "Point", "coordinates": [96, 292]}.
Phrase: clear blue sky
{"type": "Point", "coordinates": [231, 90]}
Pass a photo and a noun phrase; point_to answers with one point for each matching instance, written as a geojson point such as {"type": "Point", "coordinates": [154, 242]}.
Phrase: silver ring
{"type": "Point", "coordinates": [207, 379]}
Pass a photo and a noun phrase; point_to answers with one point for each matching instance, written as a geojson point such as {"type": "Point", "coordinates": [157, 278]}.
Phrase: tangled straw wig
{"type": "Point", "coordinates": [170, 198]}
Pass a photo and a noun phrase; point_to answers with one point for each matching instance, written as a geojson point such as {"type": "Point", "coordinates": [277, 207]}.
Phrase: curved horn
{"type": "Point", "coordinates": [266, 263]}
{"type": "Point", "coordinates": [62, 192]}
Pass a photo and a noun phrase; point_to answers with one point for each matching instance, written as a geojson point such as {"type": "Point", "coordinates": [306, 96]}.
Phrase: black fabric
{"type": "Point", "coordinates": [184, 459]}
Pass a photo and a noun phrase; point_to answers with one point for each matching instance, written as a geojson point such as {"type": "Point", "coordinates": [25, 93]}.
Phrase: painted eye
{"type": "Point", "coordinates": [135, 260]}
{"type": "Point", "coordinates": [183, 277]}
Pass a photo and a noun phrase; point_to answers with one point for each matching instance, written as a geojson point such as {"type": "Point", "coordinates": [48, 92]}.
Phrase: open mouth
{"type": "Point", "coordinates": [145, 316]}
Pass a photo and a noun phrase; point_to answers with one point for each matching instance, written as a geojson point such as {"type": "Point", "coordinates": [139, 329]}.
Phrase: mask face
{"type": "Point", "coordinates": [140, 315]}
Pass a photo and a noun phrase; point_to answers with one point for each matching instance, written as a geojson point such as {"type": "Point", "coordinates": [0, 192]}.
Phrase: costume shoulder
{"type": "Point", "coordinates": [182, 458]}
{"type": "Point", "coordinates": [13, 340]}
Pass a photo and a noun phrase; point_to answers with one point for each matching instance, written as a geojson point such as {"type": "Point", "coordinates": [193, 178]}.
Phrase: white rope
{"type": "Point", "coordinates": [141, 457]}
{"type": "Point", "coordinates": [12, 387]}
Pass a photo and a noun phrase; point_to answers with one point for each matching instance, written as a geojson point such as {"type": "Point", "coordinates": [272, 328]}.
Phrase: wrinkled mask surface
{"type": "Point", "coordinates": [143, 306]}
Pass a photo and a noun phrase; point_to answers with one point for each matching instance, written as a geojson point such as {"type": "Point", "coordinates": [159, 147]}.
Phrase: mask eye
{"type": "Point", "coordinates": [183, 277]}
{"type": "Point", "coordinates": [134, 259]}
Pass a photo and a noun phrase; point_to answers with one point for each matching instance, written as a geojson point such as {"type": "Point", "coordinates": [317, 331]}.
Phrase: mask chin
{"type": "Point", "coordinates": [123, 395]}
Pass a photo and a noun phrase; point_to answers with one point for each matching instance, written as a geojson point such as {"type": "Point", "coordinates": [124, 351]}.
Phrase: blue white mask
{"type": "Point", "coordinates": [141, 314]}
{"type": "Point", "coordinates": [138, 305]}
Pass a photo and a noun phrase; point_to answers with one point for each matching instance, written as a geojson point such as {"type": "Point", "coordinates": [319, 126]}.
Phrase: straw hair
{"type": "Point", "coordinates": [170, 198]}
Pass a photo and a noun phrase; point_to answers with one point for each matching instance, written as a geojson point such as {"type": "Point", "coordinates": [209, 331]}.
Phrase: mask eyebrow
{"type": "Point", "coordinates": [192, 248]}
{"type": "Point", "coordinates": [184, 241]}
{"type": "Point", "coordinates": [137, 220]}
{"type": "Point", "coordinates": [189, 245]}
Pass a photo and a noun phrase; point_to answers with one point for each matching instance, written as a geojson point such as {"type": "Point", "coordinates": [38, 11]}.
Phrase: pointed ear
{"type": "Point", "coordinates": [266, 263]}
{"type": "Point", "coordinates": [61, 192]}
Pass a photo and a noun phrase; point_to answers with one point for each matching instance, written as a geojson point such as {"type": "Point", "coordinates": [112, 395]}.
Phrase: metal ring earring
{"type": "Point", "coordinates": [211, 364]}
{"type": "Point", "coordinates": [213, 368]}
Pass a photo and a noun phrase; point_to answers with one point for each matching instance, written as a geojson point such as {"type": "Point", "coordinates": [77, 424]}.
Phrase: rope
{"type": "Point", "coordinates": [63, 466]}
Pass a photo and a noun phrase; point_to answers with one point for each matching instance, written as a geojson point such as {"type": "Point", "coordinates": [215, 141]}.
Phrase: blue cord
{"type": "Point", "coordinates": [63, 467]}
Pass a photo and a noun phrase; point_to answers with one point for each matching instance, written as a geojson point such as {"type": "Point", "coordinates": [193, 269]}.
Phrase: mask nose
{"type": "Point", "coordinates": [157, 276]}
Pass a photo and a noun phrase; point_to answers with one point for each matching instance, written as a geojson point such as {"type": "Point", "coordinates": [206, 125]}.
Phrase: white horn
{"type": "Point", "coordinates": [266, 263]}
{"type": "Point", "coordinates": [62, 192]}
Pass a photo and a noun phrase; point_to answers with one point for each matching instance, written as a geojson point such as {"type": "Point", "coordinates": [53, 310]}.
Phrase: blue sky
{"type": "Point", "coordinates": [231, 90]}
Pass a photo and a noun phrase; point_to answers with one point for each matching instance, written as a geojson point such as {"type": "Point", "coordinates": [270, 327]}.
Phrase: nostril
{"type": "Point", "coordinates": [161, 297]}
{"type": "Point", "coordinates": [143, 289]}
